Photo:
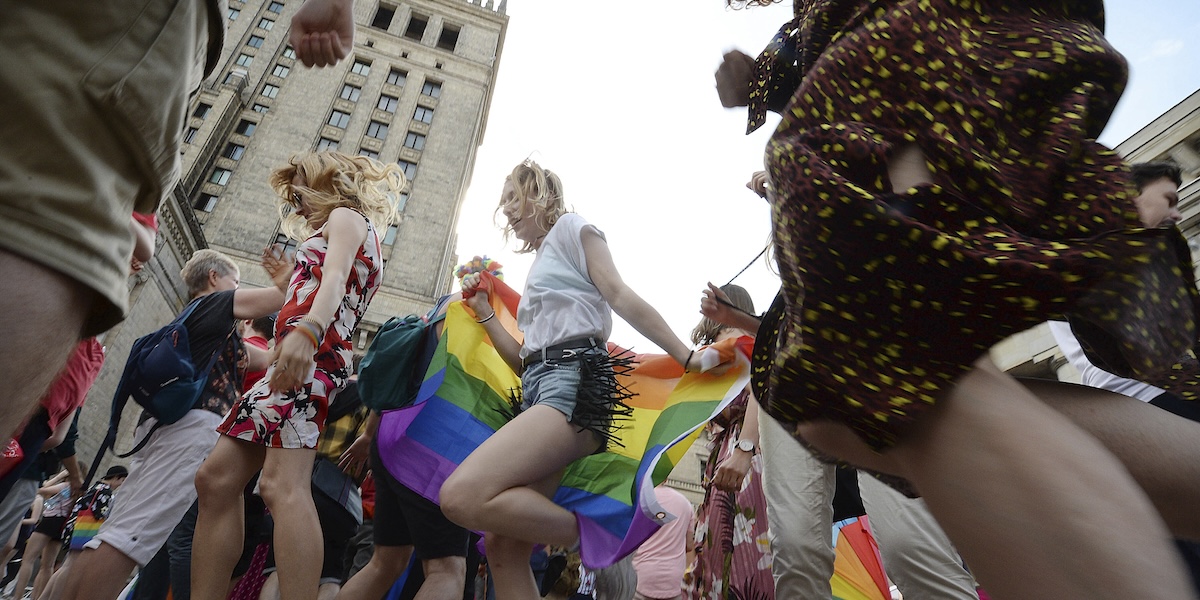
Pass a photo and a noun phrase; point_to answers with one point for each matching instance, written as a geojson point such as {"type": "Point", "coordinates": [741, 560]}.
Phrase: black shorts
{"type": "Point", "coordinates": [405, 518]}
{"type": "Point", "coordinates": [51, 526]}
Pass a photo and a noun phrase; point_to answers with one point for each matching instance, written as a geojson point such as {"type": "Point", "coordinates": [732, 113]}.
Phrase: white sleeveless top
{"type": "Point", "coordinates": [560, 302]}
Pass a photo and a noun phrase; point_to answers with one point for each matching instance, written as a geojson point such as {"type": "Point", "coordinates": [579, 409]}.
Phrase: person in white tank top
{"type": "Point", "coordinates": [504, 487]}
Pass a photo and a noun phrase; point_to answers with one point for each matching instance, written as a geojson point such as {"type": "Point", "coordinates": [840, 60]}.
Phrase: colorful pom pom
{"type": "Point", "coordinates": [480, 264]}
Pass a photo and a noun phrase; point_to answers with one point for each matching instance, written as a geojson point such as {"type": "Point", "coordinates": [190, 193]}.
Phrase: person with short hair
{"type": "Point", "coordinates": [160, 486]}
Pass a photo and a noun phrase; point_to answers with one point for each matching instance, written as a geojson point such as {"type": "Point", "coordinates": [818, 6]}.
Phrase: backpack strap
{"type": "Point", "coordinates": [121, 398]}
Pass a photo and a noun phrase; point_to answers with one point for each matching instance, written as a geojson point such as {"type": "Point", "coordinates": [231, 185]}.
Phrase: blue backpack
{"type": "Point", "coordinates": [161, 376]}
{"type": "Point", "coordinates": [394, 366]}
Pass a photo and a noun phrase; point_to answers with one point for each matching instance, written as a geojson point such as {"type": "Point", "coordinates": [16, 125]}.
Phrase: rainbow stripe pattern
{"type": "Point", "coordinates": [465, 396]}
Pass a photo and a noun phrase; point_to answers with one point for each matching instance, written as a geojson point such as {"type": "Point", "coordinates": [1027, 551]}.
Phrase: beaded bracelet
{"type": "Point", "coordinates": [312, 336]}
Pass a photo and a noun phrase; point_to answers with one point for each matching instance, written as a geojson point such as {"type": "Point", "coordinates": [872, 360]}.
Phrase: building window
{"type": "Point", "coordinates": [326, 144]}
{"type": "Point", "coordinates": [423, 114]}
{"type": "Point", "coordinates": [275, 7]}
{"type": "Point", "coordinates": [285, 244]}
{"type": "Point", "coordinates": [409, 168]}
{"type": "Point", "coordinates": [234, 76]}
{"type": "Point", "coordinates": [202, 110]}
{"type": "Point", "coordinates": [206, 202]}
{"type": "Point", "coordinates": [448, 39]}
{"type": "Point", "coordinates": [255, 41]}
{"type": "Point", "coordinates": [260, 108]}
{"type": "Point", "coordinates": [383, 17]}
{"type": "Point", "coordinates": [433, 89]}
{"type": "Point", "coordinates": [377, 130]}
{"type": "Point", "coordinates": [246, 128]}
{"type": "Point", "coordinates": [401, 201]}
{"type": "Point", "coordinates": [189, 135]}
{"type": "Point", "coordinates": [289, 52]}
{"type": "Point", "coordinates": [233, 14]}
{"type": "Point", "coordinates": [350, 92]}
{"type": "Point", "coordinates": [281, 71]}
{"type": "Point", "coordinates": [367, 152]}
{"type": "Point", "coordinates": [339, 119]}
{"type": "Point", "coordinates": [220, 176]}
{"type": "Point", "coordinates": [270, 91]}
{"type": "Point", "coordinates": [387, 103]}
{"type": "Point", "coordinates": [416, 27]}
{"type": "Point", "coordinates": [361, 67]}
{"type": "Point", "coordinates": [414, 140]}
{"type": "Point", "coordinates": [244, 60]}
{"type": "Point", "coordinates": [234, 151]}
{"type": "Point", "coordinates": [389, 238]}
{"type": "Point", "coordinates": [397, 77]}
{"type": "Point", "coordinates": [265, 24]}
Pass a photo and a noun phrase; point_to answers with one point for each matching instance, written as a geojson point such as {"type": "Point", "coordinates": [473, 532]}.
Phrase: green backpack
{"type": "Point", "coordinates": [393, 369]}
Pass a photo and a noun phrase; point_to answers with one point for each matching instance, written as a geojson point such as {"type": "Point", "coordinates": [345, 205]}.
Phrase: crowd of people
{"type": "Point", "coordinates": [935, 187]}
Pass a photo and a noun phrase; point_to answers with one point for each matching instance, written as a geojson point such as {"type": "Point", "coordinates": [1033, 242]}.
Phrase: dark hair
{"type": "Point", "coordinates": [265, 326]}
{"type": "Point", "coordinates": [707, 330]}
{"type": "Point", "coordinates": [1148, 172]}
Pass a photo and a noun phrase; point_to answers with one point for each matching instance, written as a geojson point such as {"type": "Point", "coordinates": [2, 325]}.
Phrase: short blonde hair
{"type": "Point", "coordinates": [195, 271]}
{"type": "Point", "coordinates": [334, 180]}
{"type": "Point", "coordinates": [541, 187]}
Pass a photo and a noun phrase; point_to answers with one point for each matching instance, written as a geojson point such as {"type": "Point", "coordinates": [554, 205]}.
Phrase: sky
{"type": "Point", "coordinates": [618, 98]}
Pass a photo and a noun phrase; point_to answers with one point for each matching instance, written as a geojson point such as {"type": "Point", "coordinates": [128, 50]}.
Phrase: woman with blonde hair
{"type": "Point", "coordinates": [337, 204]}
{"type": "Point", "coordinates": [570, 395]}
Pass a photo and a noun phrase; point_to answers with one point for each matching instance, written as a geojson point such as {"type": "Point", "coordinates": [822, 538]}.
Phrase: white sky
{"type": "Point", "coordinates": [618, 99]}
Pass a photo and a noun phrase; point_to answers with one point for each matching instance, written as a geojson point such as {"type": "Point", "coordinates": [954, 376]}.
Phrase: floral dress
{"type": "Point", "coordinates": [282, 419]}
{"type": "Point", "coordinates": [733, 553]}
{"type": "Point", "coordinates": [888, 298]}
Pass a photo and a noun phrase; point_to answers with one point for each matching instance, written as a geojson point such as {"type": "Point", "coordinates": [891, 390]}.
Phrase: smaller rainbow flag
{"type": "Point", "coordinates": [857, 567]}
{"type": "Point", "coordinates": [465, 398]}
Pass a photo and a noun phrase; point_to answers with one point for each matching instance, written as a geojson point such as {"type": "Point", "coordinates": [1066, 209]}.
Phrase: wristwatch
{"type": "Point", "coordinates": [745, 446]}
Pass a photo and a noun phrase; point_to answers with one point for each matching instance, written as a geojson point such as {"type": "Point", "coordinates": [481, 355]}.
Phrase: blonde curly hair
{"type": "Point", "coordinates": [334, 180]}
{"type": "Point", "coordinates": [541, 187]}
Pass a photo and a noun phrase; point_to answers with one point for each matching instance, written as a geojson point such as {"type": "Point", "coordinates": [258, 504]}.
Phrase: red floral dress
{"type": "Point", "coordinates": [282, 419]}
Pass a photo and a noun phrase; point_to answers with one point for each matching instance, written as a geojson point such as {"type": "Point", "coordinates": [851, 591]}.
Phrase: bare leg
{"type": "Point", "coordinates": [217, 543]}
{"type": "Point", "coordinates": [49, 557]}
{"type": "Point", "coordinates": [444, 578]}
{"type": "Point", "coordinates": [376, 578]}
{"type": "Point", "coordinates": [41, 317]}
{"type": "Point", "coordinates": [33, 549]}
{"type": "Point", "coordinates": [1161, 450]}
{"type": "Point", "coordinates": [285, 487]}
{"type": "Point", "coordinates": [1038, 508]}
{"type": "Point", "coordinates": [55, 585]}
{"type": "Point", "coordinates": [99, 573]}
{"type": "Point", "coordinates": [499, 488]}
{"type": "Point", "coordinates": [508, 558]}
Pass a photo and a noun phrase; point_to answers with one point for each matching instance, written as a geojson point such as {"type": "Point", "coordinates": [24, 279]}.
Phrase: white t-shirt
{"type": "Point", "coordinates": [559, 292]}
{"type": "Point", "coordinates": [1094, 376]}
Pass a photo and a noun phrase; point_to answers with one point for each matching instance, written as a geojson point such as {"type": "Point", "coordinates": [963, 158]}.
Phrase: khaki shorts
{"type": "Point", "coordinates": [94, 96]}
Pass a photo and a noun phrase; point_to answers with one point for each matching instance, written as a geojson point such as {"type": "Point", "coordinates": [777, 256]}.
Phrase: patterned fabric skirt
{"type": "Point", "coordinates": [887, 299]}
{"type": "Point", "coordinates": [282, 419]}
{"type": "Point", "coordinates": [733, 552]}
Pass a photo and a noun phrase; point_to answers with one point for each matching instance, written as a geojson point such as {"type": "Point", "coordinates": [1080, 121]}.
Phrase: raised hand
{"type": "Point", "coordinates": [323, 32]}
{"type": "Point", "coordinates": [734, 77]}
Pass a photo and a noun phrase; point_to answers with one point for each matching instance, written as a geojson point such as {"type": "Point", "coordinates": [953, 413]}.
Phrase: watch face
{"type": "Point", "coordinates": [745, 446]}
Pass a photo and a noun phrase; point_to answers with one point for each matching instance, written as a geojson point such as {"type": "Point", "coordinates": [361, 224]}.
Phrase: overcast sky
{"type": "Point", "coordinates": [618, 99]}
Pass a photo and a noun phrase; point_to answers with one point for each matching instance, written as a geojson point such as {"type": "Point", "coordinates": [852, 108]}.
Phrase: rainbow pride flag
{"type": "Point", "coordinates": [465, 398]}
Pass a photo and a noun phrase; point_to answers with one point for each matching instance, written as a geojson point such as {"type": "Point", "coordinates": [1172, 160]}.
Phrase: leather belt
{"type": "Point", "coordinates": [562, 350]}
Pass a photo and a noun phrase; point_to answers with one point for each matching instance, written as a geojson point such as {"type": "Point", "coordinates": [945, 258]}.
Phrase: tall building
{"type": "Point", "coordinates": [416, 92]}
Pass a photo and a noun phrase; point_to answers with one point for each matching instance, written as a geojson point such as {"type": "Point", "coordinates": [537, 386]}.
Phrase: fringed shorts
{"type": "Point", "coordinates": [584, 387]}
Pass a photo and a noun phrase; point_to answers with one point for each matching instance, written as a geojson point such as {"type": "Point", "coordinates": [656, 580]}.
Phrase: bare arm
{"type": "Point", "coordinates": [258, 358]}
{"type": "Point", "coordinates": [624, 301]}
{"type": "Point", "coordinates": [352, 460]}
{"type": "Point", "coordinates": [143, 240]}
{"type": "Point", "coordinates": [716, 306]}
{"type": "Point", "coordinates": [505, 344]}
{"type": "Point", "coordinates": [345, 232]}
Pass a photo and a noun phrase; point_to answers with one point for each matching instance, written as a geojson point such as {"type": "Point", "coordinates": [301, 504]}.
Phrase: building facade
{"type": "Point", "coordinates": [416, 92]}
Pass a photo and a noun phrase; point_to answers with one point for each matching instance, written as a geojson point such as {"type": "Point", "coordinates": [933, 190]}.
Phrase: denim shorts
{"type": "Point", "coordinates": [554, 383]}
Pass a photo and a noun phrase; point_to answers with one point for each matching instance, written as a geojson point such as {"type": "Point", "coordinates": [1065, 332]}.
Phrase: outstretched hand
{"type": "Point", "coordinates": [280, 266]}
{"type": "Point", "coordinates": [758, 183]}
{"type": "Point", "coordinates": [323, 32]}
{"type": "Point", "coordinates": [734, 78]}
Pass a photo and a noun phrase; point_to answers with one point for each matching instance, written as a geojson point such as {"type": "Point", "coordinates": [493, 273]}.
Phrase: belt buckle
{"type": "Point", "coordinates": [570, 352]}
